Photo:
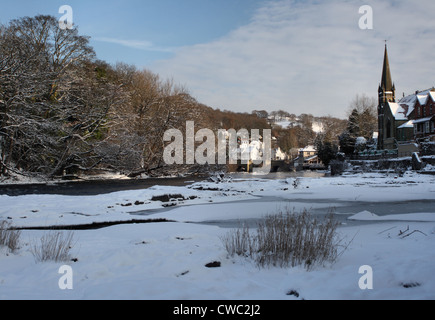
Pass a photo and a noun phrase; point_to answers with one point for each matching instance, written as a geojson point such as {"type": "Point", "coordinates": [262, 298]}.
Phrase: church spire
{"type": "Point", "coordinates": [387, 83]}
{"type": "Point", "coordinates": [387, 88]}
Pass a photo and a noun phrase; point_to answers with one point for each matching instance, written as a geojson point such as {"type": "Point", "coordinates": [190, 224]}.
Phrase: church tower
{"type": "Point", "coordinates": [387, 93]}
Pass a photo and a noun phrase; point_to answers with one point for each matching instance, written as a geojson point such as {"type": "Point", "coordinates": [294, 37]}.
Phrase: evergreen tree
{"type": "Point", "coordinates": [353, 125]}
{"type": "Point", "coordinates": [326, 150]}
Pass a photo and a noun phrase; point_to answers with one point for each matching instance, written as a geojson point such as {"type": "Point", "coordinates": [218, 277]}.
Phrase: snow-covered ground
{"type": "Point", "coordinates": [166, 261]}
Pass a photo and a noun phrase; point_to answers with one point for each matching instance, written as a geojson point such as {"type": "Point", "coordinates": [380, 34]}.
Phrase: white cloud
{"type": "Point", "coordinates": [308, 56]}
{"type": "Point", "coordinates": [135, 44]}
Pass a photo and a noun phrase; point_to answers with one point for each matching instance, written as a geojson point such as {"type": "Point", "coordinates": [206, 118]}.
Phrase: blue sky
{"type": "Point", "coordinates": [140, 31]}
{"type": "Point", "coordinates": [302, 56]}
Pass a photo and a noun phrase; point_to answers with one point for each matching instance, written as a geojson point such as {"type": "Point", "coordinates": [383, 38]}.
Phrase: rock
{"type": "Point", "coordinates": [215, 264]}
{"type": "Point", "coordinates": [337, 167]}
{"type": "Point", "coordinates": [293, 293]}
{"type": "Point", "coordinates": [410, 285]}
{"type": "Point", "coordinates": [168, 197]}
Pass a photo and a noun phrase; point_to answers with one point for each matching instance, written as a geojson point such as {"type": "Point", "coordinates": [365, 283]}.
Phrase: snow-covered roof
{"type": "Point", "coordinates": [311, 158]}
{"type": "Point", "coordinates": [422, 99]}
{"type": "Point", "coordinates": [423, 120]}
{"type": "Point", "coordinates": [399, 111]}
{"type": "Point", "coordinates": [408, 103]}
{"type": "Point", "coordinates": [409, 124]}
{"type": "Point", "coordinates": [309, 149]}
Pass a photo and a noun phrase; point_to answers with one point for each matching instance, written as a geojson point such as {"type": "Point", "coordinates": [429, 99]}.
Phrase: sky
{"type": "Point", "coordinates": [301, 56]}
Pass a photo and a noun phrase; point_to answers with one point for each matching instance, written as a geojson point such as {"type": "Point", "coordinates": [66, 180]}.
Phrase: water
{"type": "Point", "coordinates": [280, 175]}
{"type": "Point", "coordinates": [342, 210]}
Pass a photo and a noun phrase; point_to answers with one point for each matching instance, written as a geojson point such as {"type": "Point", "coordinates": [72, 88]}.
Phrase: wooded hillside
{"type": "Point", "coordinates": [63, 111]}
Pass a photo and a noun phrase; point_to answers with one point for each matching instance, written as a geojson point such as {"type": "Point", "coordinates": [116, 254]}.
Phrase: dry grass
{"type": "Point", "coordinates": [9, 238]}
{"type": "Point", "coordinates": [287, 239]}
{"type": "Point", "coordinates": [239, 242]}
{"type": "Point", "coordinates": [53, 246]}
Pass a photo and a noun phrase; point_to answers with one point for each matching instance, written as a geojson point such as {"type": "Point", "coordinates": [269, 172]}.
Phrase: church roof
{"type": "Point", "coordinates": [399, 111]}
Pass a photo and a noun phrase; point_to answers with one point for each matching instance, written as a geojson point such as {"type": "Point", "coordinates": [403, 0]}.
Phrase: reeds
{"type": "Point", "coordinates": [8, 237]}
{"type": "Point", "coordinates": [287, 239]}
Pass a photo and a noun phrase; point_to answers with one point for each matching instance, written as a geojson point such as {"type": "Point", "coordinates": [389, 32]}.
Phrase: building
{"type": "Point", "coordinates": [308, 152]}
{"type": "Point", "coordinates": [390, 115]}
{"type": "Point", "coordinates": [424, 115]}
{"type": "Point", "coordinates": [406, 120]}
{"type": "Point", "coordinates": [308, 159]}
{"type": "Point", "coordinates": [278, 154]}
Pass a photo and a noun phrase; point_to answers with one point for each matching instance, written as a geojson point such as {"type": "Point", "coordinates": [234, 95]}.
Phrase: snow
{"type": "Point", "coordinates": [286, 123]}
{"type": "Point", "coordinates": [317, 126]}
{"type": "Point", "coordinates": [166, 261]}
{"type": "Point", "coordinates": [422, 99]}
{"type": "Point", "coordinates": [308, 149]}
{"type": "Point", "coordinates": [423, 120]}
{"type": "Point", "coordinates": [398, 111]}
{"type": "Point", "coordinates": [409, 124]}
{"type": "Point", "coordinates": [369, 216]}
{"type": "Point", "coordinates": [360, 141]}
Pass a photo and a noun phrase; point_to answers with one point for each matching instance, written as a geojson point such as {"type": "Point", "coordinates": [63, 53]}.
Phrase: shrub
{"type": "Point", "coordinates": [286, 239]}
{"type": "Point", "coordinates": [9, 238]}
{"type": "Point", "coordinates": [54, 246]}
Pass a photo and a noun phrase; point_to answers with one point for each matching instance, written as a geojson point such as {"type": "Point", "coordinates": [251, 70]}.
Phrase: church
{"type": "Point", "coordinates": [406, 120]}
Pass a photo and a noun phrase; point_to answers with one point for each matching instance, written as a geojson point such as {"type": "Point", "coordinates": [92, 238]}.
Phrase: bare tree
{"type": "Point", "coordinates": [42, 94]}
{"type": "Point", "coordinates": [152, 107]}
{"type": "Point", "coordinates": [363, 109]}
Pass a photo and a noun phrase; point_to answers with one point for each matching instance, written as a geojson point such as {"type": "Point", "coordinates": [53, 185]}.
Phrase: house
{"type": "Point", "coordinates": [278, 154]}
{"type": "Point", "coordinates": [308, 151]}
{"type": "Point", "coordinates": [308, 158]}
{"type": "Point", "coordinates": [424, 115]}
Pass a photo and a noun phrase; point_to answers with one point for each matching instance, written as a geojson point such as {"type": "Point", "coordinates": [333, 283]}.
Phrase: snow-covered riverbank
{"type": "Point", "coordinates": [167, 260]}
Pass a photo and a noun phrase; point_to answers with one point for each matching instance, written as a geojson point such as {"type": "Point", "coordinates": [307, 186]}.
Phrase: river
{"type": "Point", "coordinates": [319, 207]}
{"type": "Point", "coordinates": [92, 187]}
{"type": "Point", "coordinates": [96, 187]}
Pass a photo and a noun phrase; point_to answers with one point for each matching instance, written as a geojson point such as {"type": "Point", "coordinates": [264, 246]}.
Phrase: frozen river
{"type": "Point", "coordinates": [251, 212]}
{"type": "Point", "coordinates": [246, 199]}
